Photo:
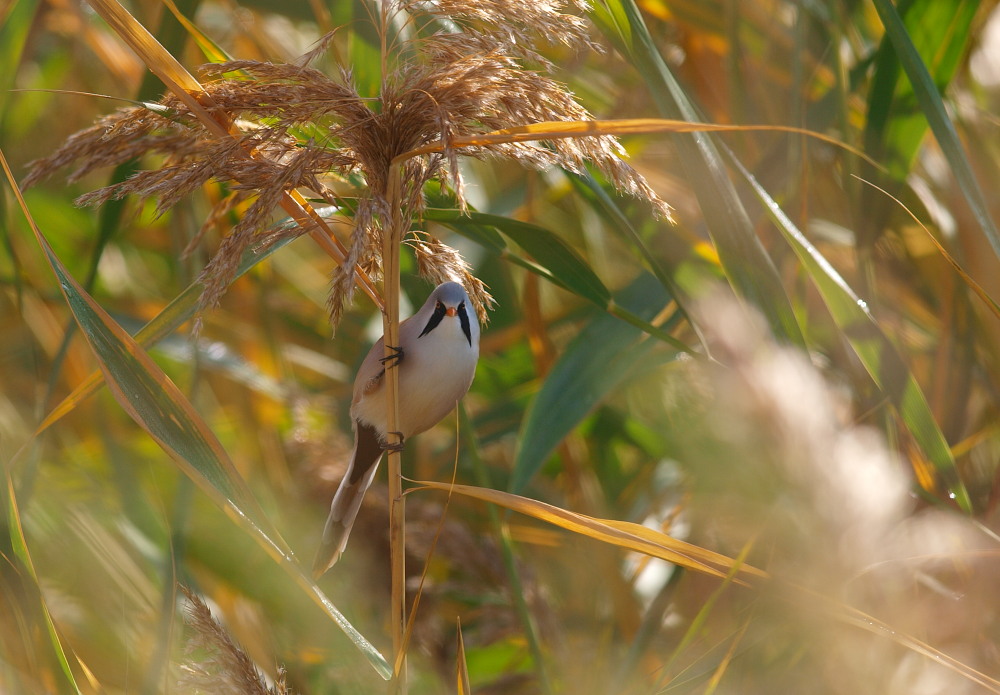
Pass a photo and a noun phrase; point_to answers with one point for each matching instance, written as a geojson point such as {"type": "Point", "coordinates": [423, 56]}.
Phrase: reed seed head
{"type": "Point", "coordinates": [301, 129]}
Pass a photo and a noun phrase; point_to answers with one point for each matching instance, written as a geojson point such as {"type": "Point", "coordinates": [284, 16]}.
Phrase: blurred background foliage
{"type": "Point", "coordinates": [798, 448]}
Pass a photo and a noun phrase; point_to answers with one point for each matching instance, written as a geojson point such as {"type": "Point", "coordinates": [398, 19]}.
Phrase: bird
{"type": "Point", "coordinates": [437, 355]}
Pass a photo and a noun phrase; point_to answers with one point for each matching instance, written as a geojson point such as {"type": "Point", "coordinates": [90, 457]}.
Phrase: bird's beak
{"type": "Point", "coordinates": [451, 311]}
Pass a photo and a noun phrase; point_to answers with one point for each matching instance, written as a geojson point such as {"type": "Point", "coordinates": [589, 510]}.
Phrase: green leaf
{"type": "Point", "coordinates": [158, 406]}
{"type": "Point", "coordinates": [467, 225]}
{"type": "Point", "coordinates": [895, 127]}
{"type": "Point", "coordinates": [599, 199]}
{"type": "Point", "coordinates": [364, 42]}
{"type": "Point", "coordinates": [619, 223]}
{"type": "Point", "coordinates": [564, 265]}
{"type": "Point", "coordinates": [595, 363]}
{"type": "Point", "coordinates": [876, 352]}
{"type": "Point", "coordinates": [929, 98]}
{"type": "Point", "coordinates": [747, 266]}
{"type": "Point", "coordinates": [175, 314]}
{"type": "Point", "coordinates": [557, 261]}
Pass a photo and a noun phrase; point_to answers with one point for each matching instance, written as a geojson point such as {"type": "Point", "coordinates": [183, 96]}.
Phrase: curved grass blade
{"type": "Point", "coordinates": [748, 268]}
{"type": "Point", "coordinates": [880, 358]}
{"type": "Point", "coordinates": [966, 278]}
{"type": "Point", "coordinates": [175, 314]}
{"type": "Point", "coordinates": [158, 406]}
{"type": "Point", "coordinates": [647, 541]}
{"type": "Point", "coordinates": [20, 549]}
{"type": "Point", "coordinates": [604, 354]}
{"type": "Point", "coordinates": [930, 102]}
{"type": "Point", "coordinates": [623, 534]}
{"type": "Point", "coordinates": [554, 130]}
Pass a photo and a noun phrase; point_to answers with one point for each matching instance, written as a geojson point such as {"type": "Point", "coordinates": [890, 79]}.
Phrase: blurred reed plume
{"type": "Point", "coordinates": [779, 460]}
{"type": "Point", "coordinates": [451, 69]}
{"type": "Point", "coordinates": [214, 663]}
{"type": "Point", "coordinates": [777, 466]}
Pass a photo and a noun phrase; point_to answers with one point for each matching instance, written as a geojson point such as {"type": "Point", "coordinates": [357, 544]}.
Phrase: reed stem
{"type": "Point", "coordinates": [391, 238]}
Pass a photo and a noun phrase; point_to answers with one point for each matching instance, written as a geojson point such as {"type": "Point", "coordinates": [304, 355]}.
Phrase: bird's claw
{"type": "Point", "coordinates": [395, 446]}
{"type": "Point", "coordinates": [393, 359]}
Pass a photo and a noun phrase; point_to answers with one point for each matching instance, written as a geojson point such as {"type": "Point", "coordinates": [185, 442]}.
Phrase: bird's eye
{"type": "Point", "coordinates": [438, 305]}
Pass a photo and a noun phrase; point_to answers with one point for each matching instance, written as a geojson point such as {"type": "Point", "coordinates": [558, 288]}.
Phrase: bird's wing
{"type": "Point", "coordinates": [371, 385]}
{"type": "Point", "coordinates": [371, 373]}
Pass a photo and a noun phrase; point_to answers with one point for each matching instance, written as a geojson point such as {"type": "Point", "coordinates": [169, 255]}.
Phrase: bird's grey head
{"type": "Point", "coordinates": [450, 299]}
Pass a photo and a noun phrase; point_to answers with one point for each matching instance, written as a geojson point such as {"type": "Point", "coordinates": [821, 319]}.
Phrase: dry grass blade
{"type": "Point", "coordinates": [640, 539]}
{"type": "Point", "coordinates": [623, 534]}
{"type": "Point", "coordinates": [461, 667]}
{"type": "Point", "coordinates": [966, 278]}
{"type": "Point", "coordinates": [554, 130]}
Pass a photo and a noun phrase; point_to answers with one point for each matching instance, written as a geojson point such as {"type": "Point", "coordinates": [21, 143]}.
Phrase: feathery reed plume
{"type": "Point", "coordinates": [215, 663]}
{"type": "Point", "coordinates": [776, 463]}
{"type": "Point", "coordinates": [461, 68]}
{"type": "Point", "coordinates": [826, 492]}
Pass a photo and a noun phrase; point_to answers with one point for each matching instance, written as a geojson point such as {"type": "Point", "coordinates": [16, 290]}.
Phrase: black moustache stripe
{"type": "Point", "coordinates": [463, 317]}
{"type": "Point", "coordinates": [439, 313]}
{"type": "Point", "coordinates": [435, 319]}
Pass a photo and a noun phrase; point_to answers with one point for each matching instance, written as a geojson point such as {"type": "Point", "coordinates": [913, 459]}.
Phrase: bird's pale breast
{"type": "Point", "coordinates": [435, 372]}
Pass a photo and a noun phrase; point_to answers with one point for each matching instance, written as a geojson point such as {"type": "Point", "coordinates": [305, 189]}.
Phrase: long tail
{"type": "Point", "coordinates": [347, 501]}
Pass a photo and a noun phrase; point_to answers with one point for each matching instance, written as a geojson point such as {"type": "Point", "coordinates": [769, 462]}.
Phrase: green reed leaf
{"type": "Point", "coordinates": [880, 358]}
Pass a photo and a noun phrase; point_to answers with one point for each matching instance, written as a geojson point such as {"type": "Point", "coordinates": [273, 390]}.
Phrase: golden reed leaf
{"type": "Point", "coordinates": [462, 668]}
{"type": "Point", "coordinates": [552, 130]}
{"type": "Point", "coordinates": [623, 534]}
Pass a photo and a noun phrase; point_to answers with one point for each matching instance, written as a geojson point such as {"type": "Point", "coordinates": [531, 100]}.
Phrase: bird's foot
{"type": "Point", "coordinates": [395, 446]}
{"type": "Point", "coordinates": [393, 359]}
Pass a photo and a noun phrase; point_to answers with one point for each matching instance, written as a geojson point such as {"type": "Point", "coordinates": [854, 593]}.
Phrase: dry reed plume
{"type": "Point", "coordinates": [458, 68]}
{"type": "Point", "coordinates": [777, 465]}
{"type": "Point", "coordinates": [215, 663]}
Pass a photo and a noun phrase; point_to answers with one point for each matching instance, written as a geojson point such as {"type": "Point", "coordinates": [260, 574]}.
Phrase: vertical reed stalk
{"type": "Point", "coordinates": [391, 238]}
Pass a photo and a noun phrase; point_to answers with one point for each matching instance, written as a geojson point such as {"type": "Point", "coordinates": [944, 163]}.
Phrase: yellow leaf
{"type": "Point", "coordinates": [623, 534]}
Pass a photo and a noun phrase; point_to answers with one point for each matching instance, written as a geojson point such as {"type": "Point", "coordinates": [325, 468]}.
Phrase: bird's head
{"type": "Point", "coordinates": [450, 300]}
